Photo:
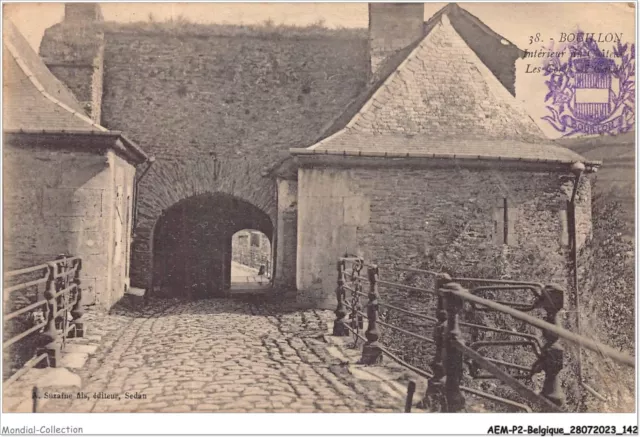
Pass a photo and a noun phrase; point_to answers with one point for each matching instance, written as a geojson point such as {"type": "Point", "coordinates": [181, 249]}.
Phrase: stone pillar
{"type": "Point", "coordinates": [286, 243]}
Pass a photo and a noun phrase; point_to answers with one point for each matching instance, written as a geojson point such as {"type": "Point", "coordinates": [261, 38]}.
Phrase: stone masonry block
{"type": "Point", "coordinates": [72, 202]}
{"type": "Point", "coordinates": [357, 210]}
{"type": "Point", "coordinates": [403, 214]}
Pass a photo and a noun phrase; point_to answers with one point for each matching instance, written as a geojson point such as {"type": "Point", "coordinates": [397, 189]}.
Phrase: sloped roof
{"type": "Point", "coordinates": [452, 9]}
{"type": "Point", "coordinates": [391, 64]}
{"type": "Point", "coordinates": [34, 99]}
{"type": "Point", "coordinates": [35, 102]}
{"type": "Point", "coordinates": [423, 146]}
{"type": "Point", "coordinates": [442, 100]}
{"type": "Point", "coordinates": [387, 67]}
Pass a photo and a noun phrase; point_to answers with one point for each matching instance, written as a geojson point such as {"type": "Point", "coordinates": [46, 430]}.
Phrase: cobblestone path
{"type": "Point", "coordinates": [220, 355]}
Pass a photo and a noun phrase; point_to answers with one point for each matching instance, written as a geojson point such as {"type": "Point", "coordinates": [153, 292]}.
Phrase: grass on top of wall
{"type": "Point", "coordinates": [268, 29]}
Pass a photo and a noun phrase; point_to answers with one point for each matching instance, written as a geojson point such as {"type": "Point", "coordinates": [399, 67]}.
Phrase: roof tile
{"type": "Point", "coordinates": [33, 98]}
{"type": "Point", "coordinates": [447, 102]}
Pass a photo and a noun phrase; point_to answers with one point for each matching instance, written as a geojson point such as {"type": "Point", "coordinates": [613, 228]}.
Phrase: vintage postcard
{"type": "Point", "coordinates": [319, 207]}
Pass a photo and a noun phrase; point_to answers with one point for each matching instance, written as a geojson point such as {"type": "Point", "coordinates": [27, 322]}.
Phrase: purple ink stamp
{"type": "Point", "coordinates": [593, 91]}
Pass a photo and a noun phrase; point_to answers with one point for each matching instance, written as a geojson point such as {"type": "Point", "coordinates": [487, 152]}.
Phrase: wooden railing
{"type": "Point", "coordinates": [451, 351]}
{"type": "Point", "coordinates": [59, 302]}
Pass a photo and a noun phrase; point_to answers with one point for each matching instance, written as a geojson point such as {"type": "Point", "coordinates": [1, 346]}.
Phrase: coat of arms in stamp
{"type": "Point", "coordinates": [593, 91]}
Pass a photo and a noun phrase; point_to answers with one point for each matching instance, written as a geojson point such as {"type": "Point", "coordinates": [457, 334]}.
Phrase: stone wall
{"type": "Point", "coordinates": [63, 202]}
{"type": "Point", "coordinates": [122, 215]}
{"type": "Point", "coordinates": [251, 249]}
{"type": "Point", "coordinates": [401, 216]}
{"type": "Point", "coordinates": [197, 97]}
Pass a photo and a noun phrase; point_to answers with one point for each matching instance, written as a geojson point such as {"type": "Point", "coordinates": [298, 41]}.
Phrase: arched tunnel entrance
{"type": "Point", "coordinates": [250, 260]}
{"type": "Point", "coordinates": [192, 244]}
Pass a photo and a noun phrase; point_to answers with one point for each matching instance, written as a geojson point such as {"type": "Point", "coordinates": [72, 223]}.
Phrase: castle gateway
{"type": "Point", "coordinates": [326, 141]}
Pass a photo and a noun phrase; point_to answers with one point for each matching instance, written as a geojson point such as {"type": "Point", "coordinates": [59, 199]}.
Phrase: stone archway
{"type": "Point", "coordinates": [169, 183]}
{"type": "Point", "coordinates": [192, 243]}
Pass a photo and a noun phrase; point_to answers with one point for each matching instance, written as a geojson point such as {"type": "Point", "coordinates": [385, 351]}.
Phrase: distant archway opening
{"type": "Point", "coordinates": [251, 265]}
{"type": "Point", "coordinates": [192, 244]}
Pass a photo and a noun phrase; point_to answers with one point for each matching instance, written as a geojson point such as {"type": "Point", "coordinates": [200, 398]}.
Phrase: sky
{"type": "Point", "coordinates": [519, 23]}
{"type": "Point", "coordinates": [515, 21]}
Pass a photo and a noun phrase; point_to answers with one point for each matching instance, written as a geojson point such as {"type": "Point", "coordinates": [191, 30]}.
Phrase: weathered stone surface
{"type": "Point", "coordinates": [88, 349]}
{"type": "Point", "coordinates": [244, 110]}
{"type": "Point", "coordinates": [416, 212]}
{"type": "Point", "coordinates": [57, 377]}
{"type": "Point", "coordinates": [76, 206]}
{"type": "Point", "coordinates": [264, 367]}
{"type": "Point", "coordinates": [74, 360]}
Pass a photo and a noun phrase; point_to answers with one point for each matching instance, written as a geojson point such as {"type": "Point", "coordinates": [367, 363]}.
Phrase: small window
{"type": "Point", "coordinates": [243, 240]}
{"type": "Point", "coordinates": [255, 239]}
{"type": "Point", "coordinates": [504, 219]}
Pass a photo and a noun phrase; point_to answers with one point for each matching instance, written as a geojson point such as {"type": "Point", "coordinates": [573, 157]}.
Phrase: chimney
{"type": "Point", "coordinates": [392, 27]}
{"type": "Point", "coordinates": [74, 52]}
{"type": "Point", "coordinates": [82, 12]}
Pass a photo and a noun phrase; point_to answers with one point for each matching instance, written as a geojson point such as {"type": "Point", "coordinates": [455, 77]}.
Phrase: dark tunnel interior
{"type": "Point", "coordinates": [192, 244]}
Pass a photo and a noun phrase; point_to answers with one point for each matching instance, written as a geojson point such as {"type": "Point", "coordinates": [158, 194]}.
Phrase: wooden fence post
{"type": "Point", "coordinates": [435, 388]}
{"type": "Point", "coordinates": [339, 324]}
{"type": "Point", "coordinates": [50, 334]}
{"type": "Point", "coordinates": [371, 352]}
{"type": "Point", "coordinates": [77, 312]}
{"type": "Point", "coordinates": [453, 357]}
{"type": "Point", "coordinates": [552, 359]}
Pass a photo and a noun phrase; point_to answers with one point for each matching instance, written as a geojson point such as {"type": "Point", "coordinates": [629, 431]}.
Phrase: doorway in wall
{"type": "Point", "coordinates": [251, 265]}
{"type": "Point", "coordinates": [193, 246]}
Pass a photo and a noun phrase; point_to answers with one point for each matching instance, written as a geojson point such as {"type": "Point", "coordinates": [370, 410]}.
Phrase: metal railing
{"type": "Point", "coordinates": [451, 352]}
{"type": "Point", "coordinates": [60, 303]}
